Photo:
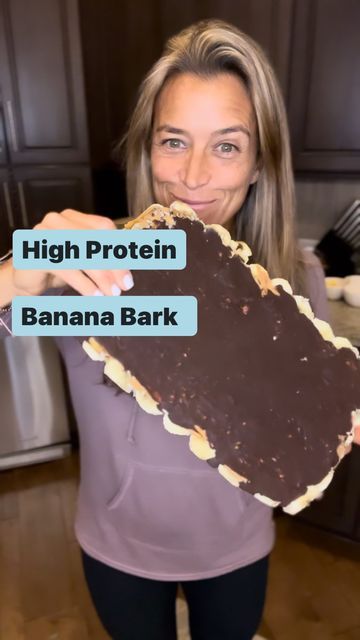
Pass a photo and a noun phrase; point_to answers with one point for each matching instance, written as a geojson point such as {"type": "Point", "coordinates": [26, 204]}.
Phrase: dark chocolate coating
{"type": "Point", "coordinates": [272, 395]}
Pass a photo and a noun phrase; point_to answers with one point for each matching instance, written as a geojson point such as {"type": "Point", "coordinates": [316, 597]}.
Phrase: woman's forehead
{"type": "Point", "coordinates": [221, 101]}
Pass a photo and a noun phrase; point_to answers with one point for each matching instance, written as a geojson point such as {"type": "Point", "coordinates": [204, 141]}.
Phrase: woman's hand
{"type": "Point", "coordinates": [357, 436]}
{"type": "Point", "coordinates": [87, 282]}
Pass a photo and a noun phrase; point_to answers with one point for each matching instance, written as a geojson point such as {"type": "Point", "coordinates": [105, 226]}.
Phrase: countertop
{"type": "Point", "coordinates": [345, 321]}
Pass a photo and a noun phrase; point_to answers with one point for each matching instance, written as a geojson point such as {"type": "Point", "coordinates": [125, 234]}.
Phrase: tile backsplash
{"type": "Point", "coordinates": [320, 202]}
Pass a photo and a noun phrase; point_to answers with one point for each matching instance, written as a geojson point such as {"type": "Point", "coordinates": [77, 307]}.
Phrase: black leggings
{"type": "Point", "coordinates": [228, 607]}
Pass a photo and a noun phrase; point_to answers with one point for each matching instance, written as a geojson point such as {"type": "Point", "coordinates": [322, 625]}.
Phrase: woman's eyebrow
{"type": "Point", "coordinates": [237, 129]}
{"type": "Point", "coordinates": [169, 129]}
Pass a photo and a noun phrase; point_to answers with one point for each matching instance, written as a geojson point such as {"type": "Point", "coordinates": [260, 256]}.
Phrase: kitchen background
{"type": "Point", "coordinates": [70, 70]}
{"type": "Point", "coordinates": [69, 73]}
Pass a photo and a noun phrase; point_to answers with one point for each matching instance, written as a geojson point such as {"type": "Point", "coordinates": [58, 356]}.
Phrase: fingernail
{"type": "Point", "coordinates": [128, 281]}
{"type": "Point", "coordinates": [98, 293]}
{"type": "Point", "coordinates": [115, 290]}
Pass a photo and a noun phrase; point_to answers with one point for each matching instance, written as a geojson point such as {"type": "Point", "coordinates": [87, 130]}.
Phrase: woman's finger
{"type": "Point", "coordinates": [121, 278]}
{"type": "Point", "coordinates": [109, 281]}
{"type": "Point", "coordinates": [357, 435]}
{"type": "Point", "coordinates": [88, 220]}
{"type": "Point", "coordinates": [104, 281]}
{"type": "Point", "coordinates": [69, 219]}
{"type": "Point", "coordinates": [80, 282]}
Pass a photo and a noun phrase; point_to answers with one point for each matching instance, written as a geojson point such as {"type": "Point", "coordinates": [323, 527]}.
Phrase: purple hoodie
{"type": "Point", "coordinates": [146, 504]}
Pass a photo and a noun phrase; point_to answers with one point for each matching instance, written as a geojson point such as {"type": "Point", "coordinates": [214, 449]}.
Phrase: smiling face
{"type": "Point", "coordinates": [203, 148]}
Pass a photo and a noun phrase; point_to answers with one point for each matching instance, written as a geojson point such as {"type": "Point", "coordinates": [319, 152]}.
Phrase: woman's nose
{"type": "Point", "coordinates": [195, 171]}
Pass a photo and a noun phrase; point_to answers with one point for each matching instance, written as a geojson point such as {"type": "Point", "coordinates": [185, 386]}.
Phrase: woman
{"type": "Point", "coordinates": [209, 129]}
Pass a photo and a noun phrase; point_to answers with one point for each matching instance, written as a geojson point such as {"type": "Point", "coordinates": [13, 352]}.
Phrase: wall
{"type": "Point", "coordinates": [321, 201]}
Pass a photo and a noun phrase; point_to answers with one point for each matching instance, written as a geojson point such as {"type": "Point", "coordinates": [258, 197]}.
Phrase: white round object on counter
{"type": "Point", "coordinates": [352, 295]}
{"type": "Point", "coordinates": [352, 281]}
{"type": "Point", "coordinates": [351, 291]}
{"type": "Point", "coordinates": [334, 288]}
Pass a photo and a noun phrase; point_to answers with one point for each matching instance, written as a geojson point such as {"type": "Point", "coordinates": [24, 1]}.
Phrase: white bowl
{"type": "Point", "coordinates": [353, 281]}
{"type": "Point", "coordinates": [334, 288]}
{"type": "Point", "coordinates": [351, 295]}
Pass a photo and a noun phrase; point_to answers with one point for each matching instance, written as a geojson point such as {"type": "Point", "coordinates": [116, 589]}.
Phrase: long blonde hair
{"type": "Point", "coordinates": [266, 219]}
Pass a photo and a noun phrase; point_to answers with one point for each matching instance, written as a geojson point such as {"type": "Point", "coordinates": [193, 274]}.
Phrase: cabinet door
{"type": "Point", "coordinates": [43, 189]}
{"type": "Point", "coordinates": [339, 509]}
{"type": "Point", "coordinates": [3, 148]}
{"type": "Point", "coordinates": [7, 212]}
{"type": "Point", "coordinates": [324, 95]}
{"type": "Point", "coordinates": [41, 81]}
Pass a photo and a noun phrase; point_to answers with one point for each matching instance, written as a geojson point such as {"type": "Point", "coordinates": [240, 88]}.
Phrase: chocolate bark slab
{"type": "Point", "coordinates": [264, 391]}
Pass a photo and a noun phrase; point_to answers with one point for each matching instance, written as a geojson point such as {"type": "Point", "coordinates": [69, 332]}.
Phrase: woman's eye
{"type": "Point", "coordinates": [172, 143]}
{"type": "Point", "coordinates": [227, 147]}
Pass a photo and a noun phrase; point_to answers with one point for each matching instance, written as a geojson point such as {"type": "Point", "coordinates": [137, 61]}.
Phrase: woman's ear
{"type": "Point", "coordinates": [255, 176]}
{"type": "Point", "coordinates": [257, 169]}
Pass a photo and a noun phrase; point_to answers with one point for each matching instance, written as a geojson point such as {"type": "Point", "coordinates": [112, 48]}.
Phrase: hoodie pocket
{"type": "Point", "coordinates": [177, 508]}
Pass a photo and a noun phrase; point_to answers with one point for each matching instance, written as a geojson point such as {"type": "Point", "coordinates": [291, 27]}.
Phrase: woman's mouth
{"type": "Point", "coordinates": [197, 205]}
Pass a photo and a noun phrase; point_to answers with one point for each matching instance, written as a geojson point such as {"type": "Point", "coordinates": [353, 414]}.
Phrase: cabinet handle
{"type": "Point", "coordinates": [23, 208]}
{"type": "Point", "coordinates": [13, 136]}
{"type": "Point", "coordinates": [9, 210]}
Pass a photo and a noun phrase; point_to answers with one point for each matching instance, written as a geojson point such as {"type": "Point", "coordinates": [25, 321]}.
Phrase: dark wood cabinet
{"type": "Point", "coordinates": [43, 189]}
{"type": "Point", "coordinates": [3, 146]}
{"type": "Point", "coordinates": [338, 510]}
{"type": "Point", "coordinates": [7, 215]}
{"type": "Point", "coordinates": [43, 121]}
{"type": "Point", "coordinates": [28, 193]}
{"type": "Point", "coordinates": [42, 82]}
{"type": "Point", "coordinates": [324, 91]}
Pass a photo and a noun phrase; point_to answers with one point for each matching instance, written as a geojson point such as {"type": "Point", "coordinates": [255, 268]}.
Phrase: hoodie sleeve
{"type": "Point", "coordinates": [316, 287]}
